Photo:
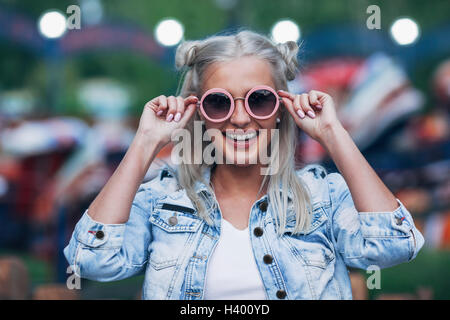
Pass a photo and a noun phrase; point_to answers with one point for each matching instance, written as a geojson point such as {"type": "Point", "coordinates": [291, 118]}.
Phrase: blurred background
{"type": "Point", "coordinates": [71, 98]}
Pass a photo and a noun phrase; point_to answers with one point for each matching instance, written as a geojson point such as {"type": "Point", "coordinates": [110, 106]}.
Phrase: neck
{"type": "Point", "coordinates": [236, 180]}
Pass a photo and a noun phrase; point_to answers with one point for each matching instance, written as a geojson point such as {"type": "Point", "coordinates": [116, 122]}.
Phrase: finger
{"type": "Point", "coordinates": [190, 99]}
{"type": "Point", "coordinates": [304, 101]}
{"type": "Point", "coordinates": [320, 94]}
{"type": "Point", "coordinates": [150, 104]}
{"type": "Point", "coordinates": [286, 94]}
{"type": "Point", "coordinates": [323, 97]}
{"type": "Point", "coordinates": [298, 107]}
{"type": "Point", "coordinates": [180, 109]}
{"type": "Point", "coordinates": [161, 104]}
{"type": "Point", "coordinates": [157, 105]}
{"type": "Point", "coordinates": [172, 108]}
{"type": "Point", "coordinates": [289, 106]}
{"type": "Point", "coordinates": [314, 100]}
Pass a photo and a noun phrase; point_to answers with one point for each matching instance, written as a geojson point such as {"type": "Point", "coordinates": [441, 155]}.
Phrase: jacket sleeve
{"type": "Point", "coordinates": [382, 239]}
{"type": "Point", "coordinates": [108, 252]}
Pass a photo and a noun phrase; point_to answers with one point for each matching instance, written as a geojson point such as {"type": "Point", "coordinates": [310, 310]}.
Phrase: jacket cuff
{"type": "Point", "coordinates": [95, 234]}
{"type": "Point", "coordinates": [397, 223]}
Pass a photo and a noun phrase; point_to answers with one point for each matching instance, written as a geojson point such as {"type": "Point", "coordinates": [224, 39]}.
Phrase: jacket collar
{"type": "Point", "coordinates": [206, 176]}
{"type": "Point", "coordinates": [201, 186]}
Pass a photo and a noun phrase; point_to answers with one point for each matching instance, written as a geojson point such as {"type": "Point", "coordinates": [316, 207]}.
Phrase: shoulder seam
{"type": "Point", "coordinates": [316, 169]}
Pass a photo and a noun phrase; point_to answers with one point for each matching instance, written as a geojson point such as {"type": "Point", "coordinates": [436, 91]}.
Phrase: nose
{"type": "Point", "coordinates": [240, 118]}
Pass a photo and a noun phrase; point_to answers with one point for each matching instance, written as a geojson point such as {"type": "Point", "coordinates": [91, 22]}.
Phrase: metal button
{"type": "Point", "coordinates": [100, 234]}
{"type": "Point", "coordinates": [263, 205]}
{"type": "Point", "coordinates": [267, 259]}
{"type": "Point", "coordinates": [399, 221]}
{"type": "Point", "coordinates": [258, 231]}
{"type": "Point", "coordinates": [165, 173]}
{"type": "Point", "coordinates": [173, 220]}
{"type": "Point", "coordinates": [281, 294]}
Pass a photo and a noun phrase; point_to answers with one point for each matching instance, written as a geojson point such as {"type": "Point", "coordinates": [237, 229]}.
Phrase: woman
{"type": "Point", "coordinates": [224, 230]}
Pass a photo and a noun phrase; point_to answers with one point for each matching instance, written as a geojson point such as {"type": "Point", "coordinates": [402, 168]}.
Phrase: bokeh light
{"type": "Point", "coordinates": [52, 24]}
{"type": "Point", "coordinates": [285, 30]}
{"type": "Point", "coordinates": [405, 31]}
{"type": "Point", "coordinates": [169, 32]}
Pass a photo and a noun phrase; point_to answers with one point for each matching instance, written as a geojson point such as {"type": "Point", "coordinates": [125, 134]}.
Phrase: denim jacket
{"type": "Point", "coordinates": [166, 240]}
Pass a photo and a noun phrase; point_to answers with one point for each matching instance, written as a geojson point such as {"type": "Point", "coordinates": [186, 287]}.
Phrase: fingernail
{"type": "Point", "coordinates": [311, 114]}
{"type": "Point", "coordinates": [169, 117]}
{"type": "Point", "coordinates": [301, 114]}
{"type": "Point", "coordinates": [159, 112]}
{"type": "Point", "coordinates": [177, 117]}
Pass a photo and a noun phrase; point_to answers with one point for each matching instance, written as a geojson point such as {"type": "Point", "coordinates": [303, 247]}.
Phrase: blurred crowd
{"type": "Point", "coordinates": [51, 168]}
{"type": "Point", "coordinates": [403, 132]}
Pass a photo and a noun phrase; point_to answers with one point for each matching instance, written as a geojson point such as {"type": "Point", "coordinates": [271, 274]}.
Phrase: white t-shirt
{"type": "Point", "coordinates": [232, 272]}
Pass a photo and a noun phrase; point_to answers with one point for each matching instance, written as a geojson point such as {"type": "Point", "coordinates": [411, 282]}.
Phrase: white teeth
{"type": "Point", "coordinates": [241, 137]}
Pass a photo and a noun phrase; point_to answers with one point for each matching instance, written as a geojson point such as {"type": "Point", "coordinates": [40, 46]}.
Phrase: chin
{"type": "Point", "coordinates": [242, 159]}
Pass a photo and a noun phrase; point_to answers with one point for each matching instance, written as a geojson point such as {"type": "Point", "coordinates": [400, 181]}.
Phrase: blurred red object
{"type": "Point", "coordinates": [445, 244]}
{"type": "Point", "coordinates": [430, 128]}
{"type": "Point", "coordinates": [36, 173]}
{"type": "Point", "coordinates": [54, 292]}
{"type": "Point", "coordinates": [10, 168]}
{"type": "Point", "coordinates": [417, 201]}
{"type": "Point", "coordinates": [14, 279]}
{"type": "Point", "coordinates": [333, 73]}
{"type": "Point", "coordinates": [441, 82]}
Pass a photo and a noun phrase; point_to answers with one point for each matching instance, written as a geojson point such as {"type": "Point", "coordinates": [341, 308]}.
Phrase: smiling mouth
{"type": "Point", "coordinates": [241, 137]}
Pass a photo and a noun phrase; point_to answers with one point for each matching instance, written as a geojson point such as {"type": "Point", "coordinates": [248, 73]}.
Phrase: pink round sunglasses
{"type": "Point", "coordinates": [217, 104]}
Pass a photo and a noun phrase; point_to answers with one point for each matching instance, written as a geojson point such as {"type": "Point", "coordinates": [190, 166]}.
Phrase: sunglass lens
{"type": "Point", "coordinates": [262, 102]}
{"type": "Point", "coordinates": [216, 105]}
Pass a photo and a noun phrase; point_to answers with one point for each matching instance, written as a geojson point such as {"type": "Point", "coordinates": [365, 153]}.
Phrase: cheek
{"type": "Point", "coordinates": [214, 129]}
{"type": "Point", "coordinates": [268, 126]}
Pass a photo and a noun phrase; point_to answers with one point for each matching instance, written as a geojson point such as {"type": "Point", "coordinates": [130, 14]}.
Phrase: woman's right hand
{"type": "Point", "coordinates": [162, 115]}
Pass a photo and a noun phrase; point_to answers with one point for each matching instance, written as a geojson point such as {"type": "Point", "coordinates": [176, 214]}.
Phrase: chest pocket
{"type": "Point", "coordinates": [311, 247]}
{"type": "Point", "coordinates": [173, 228]}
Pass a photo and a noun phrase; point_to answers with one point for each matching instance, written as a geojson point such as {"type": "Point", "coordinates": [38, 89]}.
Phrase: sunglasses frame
{"type": "Point", "coordinates": [247, 106]}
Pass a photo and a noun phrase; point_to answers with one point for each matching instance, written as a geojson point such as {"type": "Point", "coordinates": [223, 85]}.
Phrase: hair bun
{"type": "Point", "coordinates": [186, 54]}
{"type": "Point", "coordinates": [289, 51]}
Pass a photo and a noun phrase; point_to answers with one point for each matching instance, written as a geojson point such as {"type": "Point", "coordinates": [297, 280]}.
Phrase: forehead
{"type": "Point", "coordinates": [238, 76]}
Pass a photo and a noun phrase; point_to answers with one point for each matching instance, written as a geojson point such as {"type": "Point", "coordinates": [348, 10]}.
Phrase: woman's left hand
{"type": "Point", "coordinates": [313, 112]}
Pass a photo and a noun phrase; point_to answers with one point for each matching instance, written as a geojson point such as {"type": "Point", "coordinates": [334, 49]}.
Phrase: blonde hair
{"type": "Point", "coordinates": [193, 57]}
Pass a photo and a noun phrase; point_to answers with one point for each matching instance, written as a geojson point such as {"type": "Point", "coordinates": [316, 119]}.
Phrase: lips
{"type": "Point", "coordinates": [241, 138]}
